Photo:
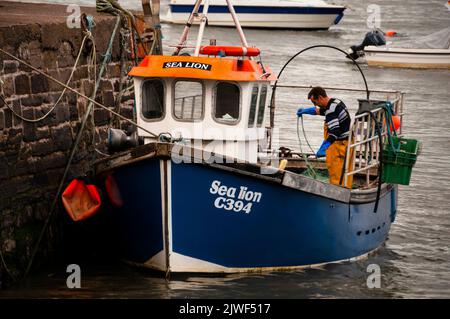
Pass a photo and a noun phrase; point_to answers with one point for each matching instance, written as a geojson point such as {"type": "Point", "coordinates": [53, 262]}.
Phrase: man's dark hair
{"type": "Point", "coordinates": [316, 92]}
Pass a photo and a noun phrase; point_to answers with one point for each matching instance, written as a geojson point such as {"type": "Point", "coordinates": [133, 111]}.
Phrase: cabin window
{"type": "Point", "coordinates": [153, 99]}
{"type": "Point", "coordinates": [253, 103]}
{"type": "Point", "coordinates": [188, 104]}
{"type": "Point", "coordinates": [262, 104]}
{"type": "Point", "coordinates": [227, 103]}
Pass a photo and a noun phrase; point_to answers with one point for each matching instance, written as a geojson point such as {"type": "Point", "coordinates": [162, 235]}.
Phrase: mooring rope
{"type": "Point", "coordinates": [6, 266]}
{"type": "Point", "coordinates": [72, 153]}
{"type": "Point", "coordinates": [78, 93]}
{"type": "Point", "coordinates": [87, 36]}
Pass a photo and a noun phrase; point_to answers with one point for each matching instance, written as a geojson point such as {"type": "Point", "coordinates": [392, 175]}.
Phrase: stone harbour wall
{"type": "Point", "coordinates": [33, 155]}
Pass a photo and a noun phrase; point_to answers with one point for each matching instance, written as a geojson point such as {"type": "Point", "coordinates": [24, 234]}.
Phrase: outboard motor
{"type": "Point", "coordinates": [375, 37]}
{"type": "Point", "coordinates": [119, 140]}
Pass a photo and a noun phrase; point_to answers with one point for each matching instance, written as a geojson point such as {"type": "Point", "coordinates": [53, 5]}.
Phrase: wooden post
{"type": "Point", "coordinates": [153, 26]}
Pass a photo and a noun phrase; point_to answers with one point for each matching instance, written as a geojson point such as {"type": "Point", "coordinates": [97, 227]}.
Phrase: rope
{"type": "Point", "coordinates": [69, 162]}
{"type": "Point", "coordinates": [78, 93]}
{"type": "Point", "coordinates": [306, 139]}
{"type": "Point", "coordinates": [5, 266]}
{"type": "Point", "coordinates": [309, 168]}
{"type": "Point", "coordinates": [87, 36]}
{"type": "Point", "coordinates": [390, 124]}
{"type": "Point", "coordinates": [90, 23]}
{"type": "Point", "coordinates": [114, 8]}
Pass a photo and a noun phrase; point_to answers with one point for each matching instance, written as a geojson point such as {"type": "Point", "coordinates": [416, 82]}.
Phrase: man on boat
{"type": "Point", "coordinates": [336, 131]}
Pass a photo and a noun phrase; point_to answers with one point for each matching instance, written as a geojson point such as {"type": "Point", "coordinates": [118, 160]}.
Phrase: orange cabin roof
{"type": "Point", "coordinates": [201, 68]}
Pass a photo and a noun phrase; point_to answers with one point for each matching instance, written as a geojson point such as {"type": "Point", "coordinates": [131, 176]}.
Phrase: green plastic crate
{"type": "Point", "coordinates": [397, 165]}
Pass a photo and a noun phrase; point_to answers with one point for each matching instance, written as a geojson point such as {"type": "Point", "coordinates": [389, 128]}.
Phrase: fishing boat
{"type": "Point", "coordinates": [301, 14]}
{"type": "Point", "coordinates": [429, 52]}
{"type": "Point", "coordinates": [209, 190]}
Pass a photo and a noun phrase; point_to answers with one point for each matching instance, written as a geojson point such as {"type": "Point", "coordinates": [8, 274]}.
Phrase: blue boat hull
{"type": "Point", "coordinates": [199, 218]}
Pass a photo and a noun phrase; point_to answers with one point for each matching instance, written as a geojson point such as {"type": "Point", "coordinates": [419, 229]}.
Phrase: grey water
{"type": "Point", "coordinates": [415, 260]}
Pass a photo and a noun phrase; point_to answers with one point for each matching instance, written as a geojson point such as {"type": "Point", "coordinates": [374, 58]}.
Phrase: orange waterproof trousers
{"type": "Point", "coordinates": [335, 159]}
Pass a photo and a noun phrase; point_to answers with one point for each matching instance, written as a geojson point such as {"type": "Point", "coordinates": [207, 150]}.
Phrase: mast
{"type": "Point", "coordinates": [203, 23]}
{"type": "Point", "coordinates": [187, 27]}
{"type": "Point", "coordinates": [202, 28]}
{"type": "Point", "coordinates": [237, 23]}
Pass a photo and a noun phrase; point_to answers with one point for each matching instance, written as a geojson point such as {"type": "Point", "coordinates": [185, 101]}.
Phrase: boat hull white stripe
{"type": "Point", "coordinates": [292, 21]}
{"type": "Point", "coordinates": [408, 58]}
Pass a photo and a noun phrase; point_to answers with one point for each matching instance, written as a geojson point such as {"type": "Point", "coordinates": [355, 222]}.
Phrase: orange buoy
{"type": "Point", "coordinates": [80, 200]}
{"type": "Point", "coordinates": [396, 121]}
{"type": "Point", "coordinates": [229, 50]}
{"type": "Point", "coordinates": [390, 33]}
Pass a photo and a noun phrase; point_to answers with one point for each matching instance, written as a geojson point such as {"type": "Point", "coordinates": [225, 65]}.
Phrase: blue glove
{"type": "Point", "coordinates": [310, 111]}
{"type": "Point", "coordinates": [321, 152]}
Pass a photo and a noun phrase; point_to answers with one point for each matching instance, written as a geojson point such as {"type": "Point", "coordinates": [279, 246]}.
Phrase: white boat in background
{"type": "Point", "coordinates": [430, 52]}
{"type": "Point", "coordinates": [279, 14]}
{"type": "Point", "coordinates": [408, 58]}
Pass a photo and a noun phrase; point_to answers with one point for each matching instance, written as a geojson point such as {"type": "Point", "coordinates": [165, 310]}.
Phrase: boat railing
{"type": "Point", "coordinates": [185, 103]}
{"type": "Point", "coordinates": [364, 151]}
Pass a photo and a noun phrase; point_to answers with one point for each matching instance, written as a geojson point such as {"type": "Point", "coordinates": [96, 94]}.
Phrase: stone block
{"type": "Point", "coordinates": [17, 110]}
{"type": "Point", "coordinates": [127, 97]}
{"type": "Point", "coordinates": [49, 58]}
{"type": "Point", "coordinates": [15, 136]}
{"type": "Point", "coordinates": [49, 120]}
{"type": "Point", "coordinates": [73, 113]}
{"type": "Point", "coordinates": [24, 166]}
{"type": "Point", "coordinates": [62, 113]}
{"type": "Point", "coordinates": [31, 100]}
{"type": "Point", "coordinates": [65, 55]}
{"type": "Point", "coordinates": [42, 132]}
{"type": "Point", "coordinates": [29, 129]}
{"type": "Point", "coordinates": [71, 98]}
{"type": "Point", "coordinates": [108, 99]}
{"type": "Point", "coordinates": [10, 66]}
{"type": "Point", "coordinates": [8, 86]}
{"type": "Point", "coordinates": [2, 120]}
{"type": "Point", "coordinates": [62, 137]}
{"type": "Point", "coordinates": [53, 86]}
{"type": "Point", "coordinates": [42, 147]}
{"type": "Point", "coordinates": [114, 70]}
{"type": "Point", "coordinates": [22, 84]}
{"type": "Point", "coordinates": [4, 169]}
{"type": "Point", "coordinates": [51, 161]}
{"type": "Point", "coordinates": [127, 112]}
{"type": "Point", "coordinates": [63, 76]}
{"type": "Point", "coordinates": [101, 117]}
{"type": "Point", "coordinates": [87, 87]}
{"type": "Point", "coordinates": [80, 73]}
{"type": "Point", "coordinates": [8, 118]}
{"type": "Point", "coordinates": [39, 83]}
{"type": "Point", "coordinates": [29, 132]}
{"type": "Point", "coordinates": [106, 85]}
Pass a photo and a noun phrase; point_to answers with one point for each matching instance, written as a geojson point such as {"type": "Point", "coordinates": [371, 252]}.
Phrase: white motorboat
{"type": "Point", "coordinates": [279, 14]}
{"type": "Point", "coordinates": [430, 52]}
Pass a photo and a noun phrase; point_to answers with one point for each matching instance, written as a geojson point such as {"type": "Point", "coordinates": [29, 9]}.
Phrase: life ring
{"type": "Point", "coordinates": [229, 50]}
